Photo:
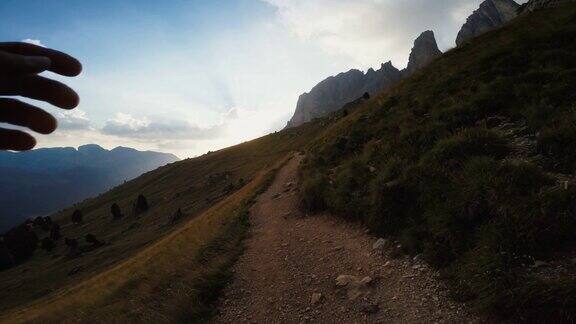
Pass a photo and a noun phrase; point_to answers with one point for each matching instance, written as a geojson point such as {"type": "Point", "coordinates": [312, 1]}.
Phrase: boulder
{"type": "Point", "coordinates": [316, 298]}
{"type": "Point", "coordinates": [380, 244]}
{"type": "Point", "coordinates": [353, 285]}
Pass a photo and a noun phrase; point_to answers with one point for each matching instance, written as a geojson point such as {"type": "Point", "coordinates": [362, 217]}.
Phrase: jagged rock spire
{"type": "Point", "coordinates": [425, 50]}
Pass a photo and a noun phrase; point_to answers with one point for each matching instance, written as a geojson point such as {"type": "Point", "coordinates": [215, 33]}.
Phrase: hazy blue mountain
{"type": "Point", "coordinates": [42, 181]}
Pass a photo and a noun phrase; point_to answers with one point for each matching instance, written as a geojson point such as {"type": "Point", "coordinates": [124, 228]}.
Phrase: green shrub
{"type": "Point", "coordinates": [390, 204]}
{"type": "Point", "coordinates": [559, 143]}
{"type": "Point", "coordinates": [350, 189]}
{"type": "Point", "coordinates": [314, 189]}
{"type": "Point", "coordinates": [468, 143]}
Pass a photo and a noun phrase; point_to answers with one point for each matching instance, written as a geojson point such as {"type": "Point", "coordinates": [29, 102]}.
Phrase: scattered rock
{"type": "Point", "coordinates": [370, 308]}
{"type": "Point", "coordinates": [380, 244]}
{"type": "Point", "coordinates": [316, 298]}
{"type": "Point", "coordinates": [178, 216]}
{"type": "Point", "coordinates": [355, 286]}
{"type": "Point", "coordinates": [539, 264]}
{"type": "Point", "coordinates": [74, 271]}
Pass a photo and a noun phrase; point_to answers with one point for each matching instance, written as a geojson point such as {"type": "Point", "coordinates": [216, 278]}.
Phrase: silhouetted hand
{"type": "Point", "coordinates": [20, 64]}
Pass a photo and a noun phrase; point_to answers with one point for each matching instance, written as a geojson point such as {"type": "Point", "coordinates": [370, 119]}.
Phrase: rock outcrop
{"type": "Point", "coordinates": [425, 50]}
{"type": "Point", "coordinates": [347, 88]}
{"type": "Point", "coordinates": [336, 91]}
{"type": "Point", "coordinates": [491, 14]}
{"type": "Point", "coordinates": [533, 5]}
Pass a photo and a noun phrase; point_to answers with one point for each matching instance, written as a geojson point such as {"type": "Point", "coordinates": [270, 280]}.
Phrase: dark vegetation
{"type": "Point", "coordinates": [20, 243]}
{"type": "Point", "coordinates": [470, 163]}
{"type": "Point", "coordinates": [116, 211]}
{"type": "Point", "coordinates": [140, 205]}
{"type": "Point", "coordinates": [77, 217]}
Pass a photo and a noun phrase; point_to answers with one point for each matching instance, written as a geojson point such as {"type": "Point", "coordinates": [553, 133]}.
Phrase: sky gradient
{"type": "Point", "coordinates": [191, 76]}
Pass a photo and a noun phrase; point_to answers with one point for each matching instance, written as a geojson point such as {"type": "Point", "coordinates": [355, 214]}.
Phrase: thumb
{"type": "Point", "coordinates": [20, 64]}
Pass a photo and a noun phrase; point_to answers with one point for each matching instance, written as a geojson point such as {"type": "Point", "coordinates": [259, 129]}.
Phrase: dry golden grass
{"type": "Point", "coordinates": [152, 270]}
{"type": "Point", "coordinates": [158, 282]}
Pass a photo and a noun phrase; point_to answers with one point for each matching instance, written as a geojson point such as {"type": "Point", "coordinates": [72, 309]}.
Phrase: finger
{"type": "Point", "coordinates": [40, 88]}
{"type": "Point", "coordinates": [62, 63]}
{"type": "Point", "coordinates": [16, 112]}
{"type": "Point", "coordinates": [19, 64]}
{"type": "Point", "coordinates": [15, 140]}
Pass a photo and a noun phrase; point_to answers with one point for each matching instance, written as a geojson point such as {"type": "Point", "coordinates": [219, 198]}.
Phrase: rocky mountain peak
{"type": "Point", "coordinates": [336, 91]}
{"type": "Point", "coordinates": [490, 15]}
{"type": "Point", "coordinates": [425, 50]}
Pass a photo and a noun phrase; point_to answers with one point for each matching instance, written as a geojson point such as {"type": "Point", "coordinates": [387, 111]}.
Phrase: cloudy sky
{"type": "Point", "coordinates": [189, 76]}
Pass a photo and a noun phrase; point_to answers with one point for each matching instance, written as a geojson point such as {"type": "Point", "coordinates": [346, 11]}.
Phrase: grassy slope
{"type": "Point", "coordinates": [149, 253]}
{"type": "Point", "coordinates": [479, 197]}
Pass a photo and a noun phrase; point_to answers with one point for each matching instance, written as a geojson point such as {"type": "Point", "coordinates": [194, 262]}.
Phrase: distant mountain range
{"type": "Point", "coordinates": [335, 92]}
{"type": "Point", "coordinates": [42, 181]}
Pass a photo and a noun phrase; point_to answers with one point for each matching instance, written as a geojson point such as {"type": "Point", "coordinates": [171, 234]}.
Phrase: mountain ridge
{"type": "Point", "coordinates": [336, 91]}
{"type": "Point", "coordinates": [46, 179]}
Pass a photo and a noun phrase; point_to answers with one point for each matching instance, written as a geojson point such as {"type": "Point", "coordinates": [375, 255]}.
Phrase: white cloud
{"type": "Point", "coordinates": [159, 130]}
{"type": "Point", "coordinates": [33, 41]}
{"type": "Point", "coordinates": [73, 120]}
{"type": "Point", "coordinates": [372, 31]}
{"type": "Point", "coordinates": [244, 82]}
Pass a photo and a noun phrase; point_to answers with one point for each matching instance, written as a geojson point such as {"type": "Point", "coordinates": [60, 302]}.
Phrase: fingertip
{"type": "Point", "coordinates": [23, 142]}
{"type": "Point", "coordinates": [74, 100]}
{"type": "Point", "coordinates": [47, 126]}
{"type": "Point", "coordinates": [28, 142]}
{"type": "Point", "coordinates": [68, 100]}
{"type": "Point", "coordinates": [78, 69]}
{"type": "Point", "coordinates": [70, 67]}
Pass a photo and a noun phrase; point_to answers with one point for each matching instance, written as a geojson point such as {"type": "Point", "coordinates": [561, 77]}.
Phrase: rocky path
{"type": "Point", "coordinates": [300, 268]}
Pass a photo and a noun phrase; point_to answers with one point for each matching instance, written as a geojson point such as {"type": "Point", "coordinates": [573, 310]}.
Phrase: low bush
{"type": "Point", "coordinates": [349, 189]}
{"type": "Point", "coordinates": [559, 143]}
{"type": "Point", "coordinates": [314, 188]}
{"type": "Point", "coordinates": [468, 143]}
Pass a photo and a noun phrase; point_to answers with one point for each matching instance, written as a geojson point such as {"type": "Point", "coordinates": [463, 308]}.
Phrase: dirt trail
{"type": "Point", "coordinates": [291, 258]}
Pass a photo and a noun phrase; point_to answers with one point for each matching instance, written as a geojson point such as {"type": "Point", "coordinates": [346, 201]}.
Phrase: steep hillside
{"type": "Point", "coordinates": [44, 180]}
{"type": "Point", "coordinates": [470, 164]}
{"type": "Point", "coordinates": [185, 241]}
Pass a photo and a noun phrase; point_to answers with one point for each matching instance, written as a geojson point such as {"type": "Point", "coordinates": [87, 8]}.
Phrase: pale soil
{"type": "Point", "coordinates": [290, 256]}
